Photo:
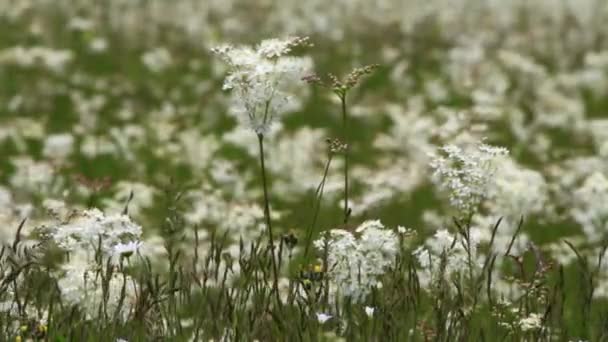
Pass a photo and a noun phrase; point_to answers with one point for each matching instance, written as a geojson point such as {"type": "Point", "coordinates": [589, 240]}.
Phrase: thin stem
{"type": "Point", "coordinates": [317, 207]}
{"type": "Point", "coordinates": [268, 222]}
{"type": "Point", "coordinates": [345, 140]}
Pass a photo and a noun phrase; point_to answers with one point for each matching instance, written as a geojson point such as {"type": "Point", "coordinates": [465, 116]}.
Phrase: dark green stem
{"type": "Point", "coordinates": [268, 221]}
{"type": "Point", "coordinates": [345, 138]}
{"type": "Point", "coordinates": [317, 207]}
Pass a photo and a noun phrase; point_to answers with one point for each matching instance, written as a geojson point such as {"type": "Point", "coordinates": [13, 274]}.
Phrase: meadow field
{"type": "Point", "coordinates": [346, 170]}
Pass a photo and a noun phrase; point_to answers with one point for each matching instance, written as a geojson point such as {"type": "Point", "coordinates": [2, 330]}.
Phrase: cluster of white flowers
{"type": "Point", "coordinates": [37, 177]}
{"type": "Point", "coordinates": [139, 196]}
{"type": "Point", "coordinates": [444, 255]}
{"type": "Point", "coordinates": [27, 57]}
{"type": "Point", "coordinates": [517, 191]}
{"type": "Point", "coordinates": [96, 286]}
{"type": "Point", "coordinates": [81, 285]}
{"type": "Point", "coordinates": [590, 206]}
{"type": "Point", "coordinates": [93, 229]}
{"type": "Point", "coordinates": [355, 261]}
{"type": "Point", "coordinates": [533, 322]}
{"type": "Point", "coordinates": [260, 79]}
{"type": "Point", "coordinates": [466, 173]}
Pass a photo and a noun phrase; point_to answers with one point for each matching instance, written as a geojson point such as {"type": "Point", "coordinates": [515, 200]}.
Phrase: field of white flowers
{"type": "Point", "coordinates": [259, 170]}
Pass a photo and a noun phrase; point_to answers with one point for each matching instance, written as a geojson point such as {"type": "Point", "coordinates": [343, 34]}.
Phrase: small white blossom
{"type": "Point", "coordinates": [157, 60]}
{"type": "Point", "coordinates": [369, 311]}
{"type": "Point", "coordinates": [322, 317]}
{"type": "Point", "coordinates": [58, 146]}
{"type": "Point", "coordinates": [532, 322]}
{"type": "Point", "coordinates": [126, 249]}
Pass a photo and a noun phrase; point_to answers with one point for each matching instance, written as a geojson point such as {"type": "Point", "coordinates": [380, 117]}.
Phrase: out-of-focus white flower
{"type": "Point", "coordinates": [521, 63]}
{"type": "Point", "coordinates": [323, 317]}
{"type": "Point", "coordinates": [81, 24]}
{"type": "Point", "coordinates": [444, 255]}
{"type": "Point", "coordinates": [138, 196]}
{"type": "Point", "coordinates": [58, 146]}
{"type": "Point", "coordinates": [30, 175]}
{"type": "Point", "coordinates": [516, 190]}
{"type": "Point", "coordinates": [93, 228]}
{"type": "Point", "coordinates": [27, 57]}
{"type": "Point", "coordinates": [532, 322]}
{"type": "Point", "coordinates": [157, 60]}
{"type": "Point", "coordinates": [98, 45]}
{"type": "Point", "coordinates": [466, 173]}
{"type": "Point", "coordinates": [369, 311]}
{"type": "Point", "coordinates": [260, 80]}
{"type": "Point", "coordinates": [590, 206]}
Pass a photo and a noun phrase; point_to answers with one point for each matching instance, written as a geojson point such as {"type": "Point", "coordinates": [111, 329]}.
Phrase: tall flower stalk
{"type": "Point", "coordinates": [275, 271]}
{"type": "Point", "coordinates": [342, 96]}
{"type": "Point", "coordinates": [259, 79]}
{"type": "Point", "coordinates": [341, 89]}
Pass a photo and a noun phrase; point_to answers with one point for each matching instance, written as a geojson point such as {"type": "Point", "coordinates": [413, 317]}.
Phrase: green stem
{"type": "Point", "coordinates": [345, 138]}
{"type": "Point", "coordinates": [268, 222]}
{"type": "Point", "coordinates": [317, 207]}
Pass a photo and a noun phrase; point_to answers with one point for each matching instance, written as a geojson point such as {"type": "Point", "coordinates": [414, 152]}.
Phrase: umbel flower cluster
{"type": "Point", "coordinates": [96, 245]}
{"type": "Point", "coordinates": [465, 173]}
{"type": "Point", "coordinates": [356, 260]}
{"type": "Point", "coordinates": [260, 79]}
{"type": "Point", "coordinates": [93, 229]}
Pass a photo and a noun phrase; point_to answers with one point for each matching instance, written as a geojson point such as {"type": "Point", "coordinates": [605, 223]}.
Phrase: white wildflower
{"type": "Point", "coordinates": [34, 176]}
{"type": "Point", "coordinates": [590, 206]}
{"type": "Point", "coordinates": [466, 173]}
{"type": "Point", "coordinates": [157, 60]}
{"type": "Point", "coordinates": [517, 191]}
{"type": "Point", "coordinates": [356, 261]}
{"type": "Point", "coordinates": [91, 228]}
{"type": "Point", "coordinates": [81, 285]}
{"type": "Point", "coordinates": [369, 311]}
{"type": "Point", "coordinates": [260, 80]}
{"type": "Point", "coordinates": [98, 45]}
{"type": "Point", "coordinates": [323, 317]}
{"type": "Point", "coordinates": [532, 322]}
{"type": "Point", "coordinates": [444, 255]}
{"type": "Point", "coordinates": [58, 146]}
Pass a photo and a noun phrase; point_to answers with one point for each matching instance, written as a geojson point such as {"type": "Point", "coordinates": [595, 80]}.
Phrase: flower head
{"type": "Point", "coordinates": [356, 261]}
{"type": "Point", "coordinates": [260, 79]}
{"type": "Point", "coordinates": [466, 173]}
